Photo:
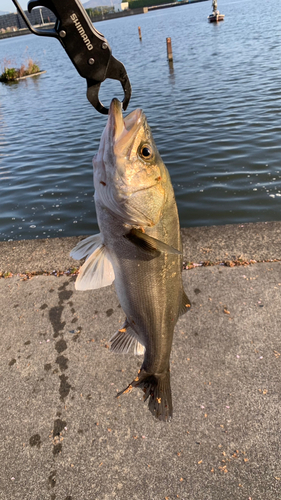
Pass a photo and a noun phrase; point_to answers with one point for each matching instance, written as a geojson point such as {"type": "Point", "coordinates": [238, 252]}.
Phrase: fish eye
{"type": "Point", "coordinates": [146, 151]}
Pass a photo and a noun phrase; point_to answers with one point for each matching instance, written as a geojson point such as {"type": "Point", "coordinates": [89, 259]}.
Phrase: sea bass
{"type": "Point", "coordinates": [139, 248]}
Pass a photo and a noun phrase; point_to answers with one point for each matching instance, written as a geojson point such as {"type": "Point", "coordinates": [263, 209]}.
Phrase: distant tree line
{"type": "Point", "coordinates": [99, 11]}
{"type": "Point", "coordinates": [136, 4]}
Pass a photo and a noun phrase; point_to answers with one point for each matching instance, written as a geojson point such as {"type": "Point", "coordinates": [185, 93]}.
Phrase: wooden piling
{"type": "Point", "coordinates": [169, 49]}
{"type": "Point", "coordinates": [139, 28]}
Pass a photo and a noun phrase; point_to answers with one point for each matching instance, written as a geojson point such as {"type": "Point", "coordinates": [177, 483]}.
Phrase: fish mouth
{"type": "Point", "coordinates": [122, 131]}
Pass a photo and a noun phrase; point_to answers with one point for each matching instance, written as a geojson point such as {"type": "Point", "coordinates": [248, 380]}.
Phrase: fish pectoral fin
{"type": "Point", "coordinates": [86, 247]}
{"type": "Point", "coordinates": [123, 339]}
{"type": "Point", "coordinates": [185, 305]}
{"type": "Point", "coordinates": [96, 272]}
{"type": "Point", "coordinates": [149, 244]}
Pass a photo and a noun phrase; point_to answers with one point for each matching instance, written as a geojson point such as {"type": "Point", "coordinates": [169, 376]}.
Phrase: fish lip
{"type": "Point", "coordinates": [123, 129]}
{"type": "Point", "coordinates": [115, 119]}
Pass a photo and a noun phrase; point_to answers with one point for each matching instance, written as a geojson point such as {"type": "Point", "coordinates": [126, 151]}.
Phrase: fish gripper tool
{"type": "Point", "coordinates": [87, 48]}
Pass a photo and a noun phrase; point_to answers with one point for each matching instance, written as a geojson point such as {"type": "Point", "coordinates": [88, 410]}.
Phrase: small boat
{"type": "Point", "coordinates": [215, 17]}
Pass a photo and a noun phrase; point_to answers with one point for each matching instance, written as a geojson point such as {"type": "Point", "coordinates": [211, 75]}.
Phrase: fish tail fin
{"type": "Point", "coordinates": [157, 388]}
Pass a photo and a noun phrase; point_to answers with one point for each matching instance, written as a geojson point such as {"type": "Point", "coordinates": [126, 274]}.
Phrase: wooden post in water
{"type": "Point", "coordinates": [139, 28]}
{"type": "Point", "coordinates": [169, 49]}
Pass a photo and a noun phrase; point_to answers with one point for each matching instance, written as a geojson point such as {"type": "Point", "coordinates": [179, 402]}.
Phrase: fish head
{"type": "Point", "coordinates": [129, 174]}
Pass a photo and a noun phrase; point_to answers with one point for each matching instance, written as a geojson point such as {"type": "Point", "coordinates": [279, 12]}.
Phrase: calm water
{"type": "Point", "coordinates": [215, 116]}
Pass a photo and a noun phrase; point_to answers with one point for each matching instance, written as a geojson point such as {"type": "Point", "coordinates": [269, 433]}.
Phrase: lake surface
{"type": "Point", "coordinates": [215, 116]}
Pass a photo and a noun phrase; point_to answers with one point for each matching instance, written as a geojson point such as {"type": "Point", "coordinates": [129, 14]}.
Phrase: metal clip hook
{"type": "Point", "coordinates": [87, 48]}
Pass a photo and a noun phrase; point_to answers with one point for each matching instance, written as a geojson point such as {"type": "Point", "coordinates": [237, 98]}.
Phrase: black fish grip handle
{"type": "Point", "coordinates": [87, 48]}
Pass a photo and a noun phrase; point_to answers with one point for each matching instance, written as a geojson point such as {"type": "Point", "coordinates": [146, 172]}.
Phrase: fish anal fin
{"type": "Point", "coordinates": [121, 342]}
{"type": "Point", "coordinates": [185, 305]}
{"type": "Point", "coordinates": [157, 388]}
{"type": "Point", "coordinates": [123, 339]}
{"type": "Point", "coordinates": [149, 244]}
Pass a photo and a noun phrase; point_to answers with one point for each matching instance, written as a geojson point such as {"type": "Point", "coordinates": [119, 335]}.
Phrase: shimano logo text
{"type": "Point", "coordinates": [81, 32]}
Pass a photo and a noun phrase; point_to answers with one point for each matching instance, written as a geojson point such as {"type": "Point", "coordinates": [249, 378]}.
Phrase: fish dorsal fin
{"type": "Point", "coordinates": [149, 244]}
{"type": "Point", "coordinates": [86, 247]}
{"type": "Point", "coordinates": [185, 305]}
{"type": "Point", "coordinates": [123, 339]}
{"type": "Point", "coordinates": [96, 272]}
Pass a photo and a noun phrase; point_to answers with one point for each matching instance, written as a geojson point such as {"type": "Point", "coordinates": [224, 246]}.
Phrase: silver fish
{"type": "Point", "coordinates": [139, 248]}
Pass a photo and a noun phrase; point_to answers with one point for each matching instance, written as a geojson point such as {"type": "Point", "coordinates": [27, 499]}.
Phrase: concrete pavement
{"type": "Point", "coordinates": [64, 434]}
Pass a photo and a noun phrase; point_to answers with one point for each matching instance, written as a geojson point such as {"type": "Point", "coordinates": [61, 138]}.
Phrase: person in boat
{"type": "Point", "coordinates": [215, 7]}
